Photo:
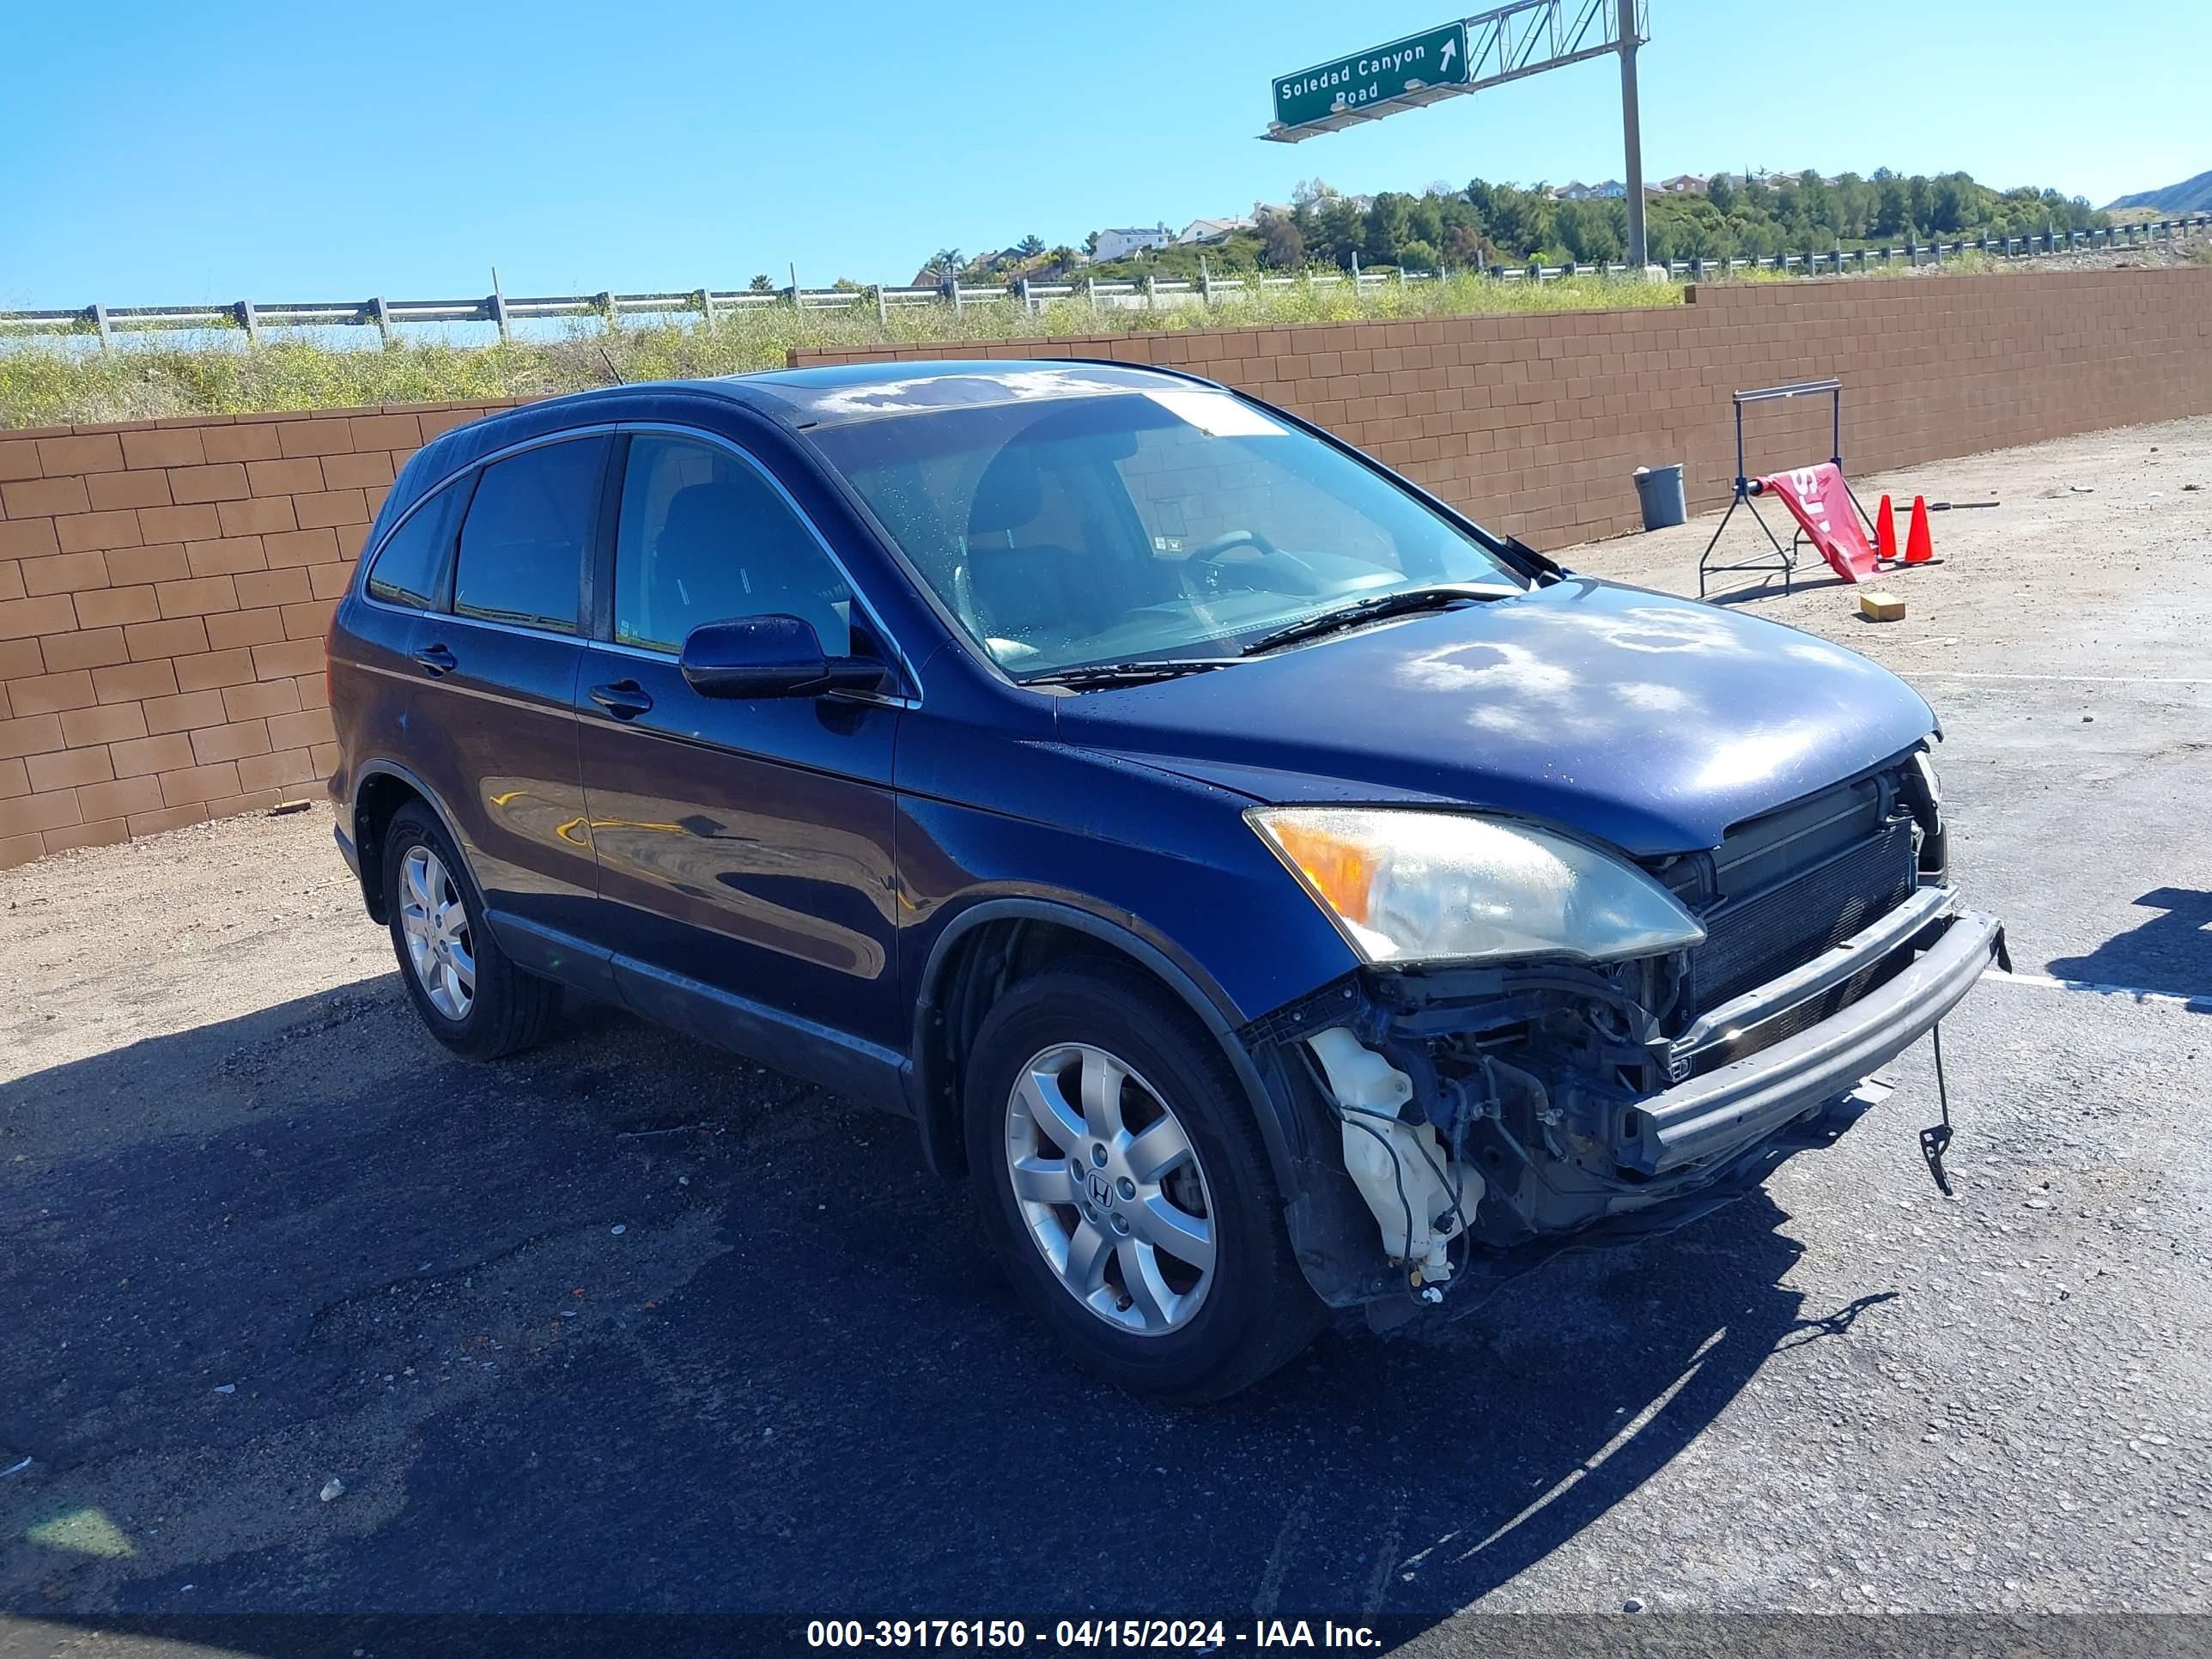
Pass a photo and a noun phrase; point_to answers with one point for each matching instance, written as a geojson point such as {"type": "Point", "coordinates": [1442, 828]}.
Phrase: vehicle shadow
{"type": "Point", "coordinates": [627, 1325]}
{"type": "Point", "coordinates": [2171, 952]}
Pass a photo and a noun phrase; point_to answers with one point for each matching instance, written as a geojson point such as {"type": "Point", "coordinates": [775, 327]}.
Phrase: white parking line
{"type": "Point", "coordinates": [2197, 1005]}
{"type": "Point", "coordinates": [2070, 679]}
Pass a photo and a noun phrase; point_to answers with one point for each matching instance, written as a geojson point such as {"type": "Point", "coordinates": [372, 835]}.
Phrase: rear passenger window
{"type": "Point", "coordinates": [411, 569]}
{"type": "Point", "coordinates": [522, 547]}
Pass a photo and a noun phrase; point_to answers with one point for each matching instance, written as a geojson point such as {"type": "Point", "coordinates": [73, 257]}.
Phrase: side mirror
{"type": "Point", "coordinates": [771, 656]}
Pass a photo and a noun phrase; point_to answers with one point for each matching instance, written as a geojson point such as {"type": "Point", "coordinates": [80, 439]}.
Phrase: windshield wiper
{"type": "Point", "coordinates": [1405, 602]}
{"type": "Point", "coordinates": [1546, 567]}
{"type": "Point", "coordinates": [1138, 673]}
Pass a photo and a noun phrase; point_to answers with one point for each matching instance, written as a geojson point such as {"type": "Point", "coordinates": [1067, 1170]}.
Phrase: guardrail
{"type": "Point", "coordinates": [388, 316]}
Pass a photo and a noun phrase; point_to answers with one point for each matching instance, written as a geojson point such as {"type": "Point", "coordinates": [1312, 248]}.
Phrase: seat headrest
{"type": "Point", "coordinates": [696, 520]}
{"type": "Point", "coordinates": [1007, 495]}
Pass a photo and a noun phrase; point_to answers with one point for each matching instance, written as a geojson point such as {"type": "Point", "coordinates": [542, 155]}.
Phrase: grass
{"type": "Point", "coordinates": [204, 372]}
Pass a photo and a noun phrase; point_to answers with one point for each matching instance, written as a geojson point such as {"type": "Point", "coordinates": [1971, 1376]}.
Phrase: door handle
{"type": "Point", "coordinates": [436, 660]}
{"type": "Point", "coordinates": [625, 699]}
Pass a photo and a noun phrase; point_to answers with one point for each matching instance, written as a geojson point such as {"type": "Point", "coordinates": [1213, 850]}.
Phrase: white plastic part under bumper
{"type": "Point", "coordinates": [1732, 1105]}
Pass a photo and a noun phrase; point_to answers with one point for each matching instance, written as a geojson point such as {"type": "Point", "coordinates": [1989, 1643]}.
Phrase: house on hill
{"type": "Point", "coordinates": [1210, 230]}
{"type": "Point", "coordinates": [1120, 244]}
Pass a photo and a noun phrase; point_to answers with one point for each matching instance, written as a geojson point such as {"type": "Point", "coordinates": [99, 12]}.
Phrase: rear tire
{"type": "Point", "coordinates": [1122, 1183]}
{"type": "Point", "coordinates": [472, 996]}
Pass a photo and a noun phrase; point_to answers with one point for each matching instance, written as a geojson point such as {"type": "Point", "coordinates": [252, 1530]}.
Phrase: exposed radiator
{"type": "Point", "coordinates": [1750, 941]}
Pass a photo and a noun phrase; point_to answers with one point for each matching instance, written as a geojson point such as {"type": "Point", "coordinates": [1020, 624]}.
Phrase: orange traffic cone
{"type": "Point", "coordinates": [1918, 548]}
{"type": "Point", "coordinates": [1885, 533]}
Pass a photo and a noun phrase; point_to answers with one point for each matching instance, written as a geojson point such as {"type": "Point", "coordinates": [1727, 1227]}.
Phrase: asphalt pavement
{"type": "Point", "coordinates": [627, 1325]}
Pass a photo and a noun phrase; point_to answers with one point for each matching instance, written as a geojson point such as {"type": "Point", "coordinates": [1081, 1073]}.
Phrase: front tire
{"type": "Point", "coordinates": [1124, 1184]}
{"type": "Point", "coordinates": [472, 996]}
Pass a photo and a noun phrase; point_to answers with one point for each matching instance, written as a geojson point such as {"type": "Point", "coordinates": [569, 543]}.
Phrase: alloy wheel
{"type": "Point", "coordinates": [1110, 1188]}
{"type": "Point", "coordinates": [435, 923]}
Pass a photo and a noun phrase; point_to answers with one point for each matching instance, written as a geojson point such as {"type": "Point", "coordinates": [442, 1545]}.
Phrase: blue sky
{"type": "Point", "coordinates": [191, 155]}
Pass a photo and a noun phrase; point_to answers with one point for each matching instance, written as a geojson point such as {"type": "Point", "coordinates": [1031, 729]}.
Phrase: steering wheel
{"type": "Point", "coordinates": [1286, 571]}
{"type": "Point", "coordinates": [1229, 541]}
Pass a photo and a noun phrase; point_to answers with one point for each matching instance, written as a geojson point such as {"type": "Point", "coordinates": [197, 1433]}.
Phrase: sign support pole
{"type": "Point", "coordinates": [1633, 135]}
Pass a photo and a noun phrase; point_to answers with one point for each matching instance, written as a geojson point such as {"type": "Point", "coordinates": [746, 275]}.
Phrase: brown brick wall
{"type": "Point", "coordinates": [164, 590]}
{"type": "Point", "coordinates": [1534, 422]}
{"type": "Point", "coordinates": [165, 585]}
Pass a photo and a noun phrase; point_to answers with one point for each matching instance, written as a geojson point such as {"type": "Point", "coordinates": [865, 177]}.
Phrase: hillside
{"type": "Point", "coordinates": [1724, 216]}
{"type": "Point", "coordinates": [2190, 196]}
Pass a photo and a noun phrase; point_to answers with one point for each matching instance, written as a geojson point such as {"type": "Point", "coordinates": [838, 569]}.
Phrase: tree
{"type": "Point", "coordinates": [1522, 220]}
{"type": "Point", "coordinates": [1389, 227]}
{"type": "Point", "coordinates": [1465, 245]}
{"type": "Point", "coordinates": [1417, 255]}
{"type": "Point", "coordinates": [945, 264]}
{"type": "Point", "coordinates": [1285, 248]}
{"type": "Point", "coordinates": [1343, 228]}
{"type": "Point", "coordinates": [763, 284]}
{"type": "Point", "coordinates": [1893, 205]}
{"type": "Point", "coordinates": [1720, 191]}
{"type": "Point", "coordinates": [1312, 192]}
{"type": "Point", "coordinates": [1428, 215]}
{"type": "Point", "coordinates": [1948, 206]}
{"type": "Point", "coordinates": [1922, 195]}
{"type": "Point", "coordinates": [1030, 246]}
{"type": "Point", "coordinates": [1690, 227]}
{"type": "Point", "coordinates": [1593, 232]}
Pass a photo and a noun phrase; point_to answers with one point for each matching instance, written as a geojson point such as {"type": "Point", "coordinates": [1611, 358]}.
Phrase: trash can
{"type": "Point", "coordinates": [1660, 490]}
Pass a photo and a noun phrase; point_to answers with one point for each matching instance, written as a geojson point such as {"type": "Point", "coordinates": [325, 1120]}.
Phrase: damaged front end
{"type": "Point", "coordinates": [1484, 1109]}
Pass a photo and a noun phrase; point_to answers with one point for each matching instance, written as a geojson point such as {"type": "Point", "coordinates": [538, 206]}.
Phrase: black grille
{"type": "Point", "coordinates": [1750, 941]}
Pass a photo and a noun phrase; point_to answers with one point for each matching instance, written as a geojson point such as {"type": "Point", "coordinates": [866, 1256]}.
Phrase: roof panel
{"type": "Point", "coordinates": [850, 391]}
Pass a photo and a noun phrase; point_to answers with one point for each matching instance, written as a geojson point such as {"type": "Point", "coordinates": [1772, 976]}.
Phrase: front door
{"type": "Point", "coordinates": [746, 842]}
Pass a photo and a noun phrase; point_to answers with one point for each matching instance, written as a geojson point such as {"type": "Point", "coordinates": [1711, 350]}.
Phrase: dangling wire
{"type": "Point", "coordinates": [1397, 1169]}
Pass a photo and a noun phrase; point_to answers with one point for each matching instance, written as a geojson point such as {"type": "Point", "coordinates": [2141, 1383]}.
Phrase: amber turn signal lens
{"type": "Point", "coordinates": [1340, 868]}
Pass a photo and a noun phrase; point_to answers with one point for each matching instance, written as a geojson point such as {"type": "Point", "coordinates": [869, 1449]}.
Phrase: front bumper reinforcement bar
{"type": "Point", "coordinates": [1737, 1102]}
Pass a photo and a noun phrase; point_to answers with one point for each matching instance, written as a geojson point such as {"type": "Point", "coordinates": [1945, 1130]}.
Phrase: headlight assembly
{"type": "Point", "coordinates": [1410, 885]}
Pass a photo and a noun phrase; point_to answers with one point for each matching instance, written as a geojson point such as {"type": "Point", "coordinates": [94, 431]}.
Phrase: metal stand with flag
{"type": "Point", "coordinates": [1819, 497]}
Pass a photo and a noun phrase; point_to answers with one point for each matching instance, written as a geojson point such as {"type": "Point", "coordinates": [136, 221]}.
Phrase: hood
{"type": "Point", "coordinates": [1646, 721]}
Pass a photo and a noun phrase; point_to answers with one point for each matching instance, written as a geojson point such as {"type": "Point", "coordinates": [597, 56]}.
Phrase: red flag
{"type": "Point", "coordinates": [1818, 500]}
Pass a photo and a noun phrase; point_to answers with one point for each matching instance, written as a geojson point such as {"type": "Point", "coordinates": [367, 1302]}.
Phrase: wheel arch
{"type": "Point", "coordinates": [995, 941]}
{"type": "Point", "coordinates": [380, 789]}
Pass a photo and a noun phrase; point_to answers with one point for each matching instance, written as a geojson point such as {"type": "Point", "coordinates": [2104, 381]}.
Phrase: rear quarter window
{"type": "Point", "coordinates": [521, 558]}
{"type": "Point", "coordinates": [410, 568]}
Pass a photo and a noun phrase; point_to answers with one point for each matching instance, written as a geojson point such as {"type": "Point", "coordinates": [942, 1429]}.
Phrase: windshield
{"type": "Point", "coordinates": [1136, 526]}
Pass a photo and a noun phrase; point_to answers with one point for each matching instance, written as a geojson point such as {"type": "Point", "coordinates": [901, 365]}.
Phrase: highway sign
{"type": "Point", "coordinates": [1435, 57]}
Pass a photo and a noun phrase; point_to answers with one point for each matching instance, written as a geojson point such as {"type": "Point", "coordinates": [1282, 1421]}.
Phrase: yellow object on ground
{"type": "Point", "coordinates": [1878, 606]}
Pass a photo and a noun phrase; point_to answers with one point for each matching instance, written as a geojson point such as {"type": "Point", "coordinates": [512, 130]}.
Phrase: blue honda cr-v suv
{"type": "Point", "coordinates": [1273, 891]}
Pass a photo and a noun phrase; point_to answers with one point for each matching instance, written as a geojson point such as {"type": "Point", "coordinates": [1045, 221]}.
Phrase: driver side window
{"type": "Point", "coordinates": [704, 537]}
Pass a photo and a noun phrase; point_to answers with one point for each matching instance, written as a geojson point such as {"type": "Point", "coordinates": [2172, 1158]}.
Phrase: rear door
{"type": "Point", "coordinates": [381, 694]}
{"type": "Point", "coordinates": [496, 736]}
{"type": "Point", "coordinates": [747, 841]}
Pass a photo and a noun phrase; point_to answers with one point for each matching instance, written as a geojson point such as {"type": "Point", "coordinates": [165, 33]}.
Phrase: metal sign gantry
{"type": "Point", "coordinates": [1523, 39]}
